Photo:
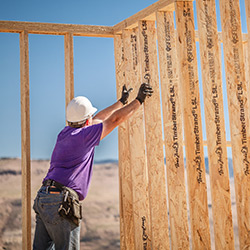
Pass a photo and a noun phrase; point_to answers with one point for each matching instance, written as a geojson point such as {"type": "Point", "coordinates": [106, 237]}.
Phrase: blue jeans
{"type": "Point", "coordinates": [53, 231]}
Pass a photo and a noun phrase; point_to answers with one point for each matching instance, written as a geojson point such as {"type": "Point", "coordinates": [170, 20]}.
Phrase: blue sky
{"type": "Point", "coordinates": [94, 70]}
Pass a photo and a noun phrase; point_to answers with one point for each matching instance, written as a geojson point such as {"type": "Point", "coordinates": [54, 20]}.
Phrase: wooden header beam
{"type": "Point", "coordinates": [146, 14]}
{"type": "Point", "coordinates": [79, 30]}
{"type": "Point", "coordinates": [56, 29]}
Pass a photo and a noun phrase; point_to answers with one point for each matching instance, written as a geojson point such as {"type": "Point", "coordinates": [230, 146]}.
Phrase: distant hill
{"type": "Point", "coordinates": [105, 161]}
{"type": "Point", "coordinates": [115, 161]}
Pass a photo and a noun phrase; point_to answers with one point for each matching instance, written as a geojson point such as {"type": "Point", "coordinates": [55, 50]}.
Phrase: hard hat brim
{"type": "Point", "coordinates": [87, 116]}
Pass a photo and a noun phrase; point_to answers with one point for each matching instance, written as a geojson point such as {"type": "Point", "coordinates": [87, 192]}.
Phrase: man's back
{"type": "Point", "coordinates": [72, 158]}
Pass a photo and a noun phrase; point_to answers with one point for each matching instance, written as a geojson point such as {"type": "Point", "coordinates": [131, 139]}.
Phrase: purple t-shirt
{"type": "Point", "coordinates": [72, 158]}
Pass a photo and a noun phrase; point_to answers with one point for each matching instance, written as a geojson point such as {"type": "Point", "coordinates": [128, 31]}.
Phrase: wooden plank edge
{"type": "Point", "coordinates": [79, 30]}
{"type": "Point", "coordinates": [69, 68]}
{"type": "Point", "coordinates": [56, 29]}
{"type": "Point", "coordinates": [25, 140]}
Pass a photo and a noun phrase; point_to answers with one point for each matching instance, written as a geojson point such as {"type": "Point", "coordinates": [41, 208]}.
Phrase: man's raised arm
{"type": "Point", "coordinates": [105, 113]}
{"type": "Point", "coordinates": [122, 114]}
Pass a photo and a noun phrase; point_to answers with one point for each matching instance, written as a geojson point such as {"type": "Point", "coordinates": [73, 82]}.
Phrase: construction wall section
{"type": "Point", "coordinates": [164, 204]}
{"type": "Point", "coordinates": [159, 208]}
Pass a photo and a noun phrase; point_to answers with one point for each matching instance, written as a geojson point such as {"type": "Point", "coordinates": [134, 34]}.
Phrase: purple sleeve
{"type": "Point", "coordinates": [92, 135]}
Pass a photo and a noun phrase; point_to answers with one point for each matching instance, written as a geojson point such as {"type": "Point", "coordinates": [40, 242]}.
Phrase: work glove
{"type": "Point", "coordinates": [144, 91]}
{"type": "Point", "coordinates": [125, 95]}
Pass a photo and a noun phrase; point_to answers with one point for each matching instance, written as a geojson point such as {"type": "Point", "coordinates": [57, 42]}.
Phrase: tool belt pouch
{"type": "Point", "coordinates": [71, 208]}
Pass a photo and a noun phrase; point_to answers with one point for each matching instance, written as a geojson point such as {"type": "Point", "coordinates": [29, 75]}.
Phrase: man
{"type": "Point", "coordinates": [57, 207]}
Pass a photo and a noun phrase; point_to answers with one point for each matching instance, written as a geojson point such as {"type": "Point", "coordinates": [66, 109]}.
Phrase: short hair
{"type": "Point", "coordinates": [77, 124]}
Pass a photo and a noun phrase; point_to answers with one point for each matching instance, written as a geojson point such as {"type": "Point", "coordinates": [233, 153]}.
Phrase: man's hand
{"type": "Point", "coordinates": [144, 91]}
{"type": "Point", "coordinates": [125, 95]}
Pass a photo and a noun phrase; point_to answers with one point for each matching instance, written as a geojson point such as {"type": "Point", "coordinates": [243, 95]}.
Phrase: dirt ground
{"type": "Point", "coordinates": [100, 225]}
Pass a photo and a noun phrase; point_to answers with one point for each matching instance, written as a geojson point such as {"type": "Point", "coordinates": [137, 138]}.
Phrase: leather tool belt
{"type": "Point", "coordinates": [70, 207]}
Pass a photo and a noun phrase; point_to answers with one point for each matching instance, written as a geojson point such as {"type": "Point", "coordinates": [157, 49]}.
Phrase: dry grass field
{"type": "Point", "coordinates": [100, 225]}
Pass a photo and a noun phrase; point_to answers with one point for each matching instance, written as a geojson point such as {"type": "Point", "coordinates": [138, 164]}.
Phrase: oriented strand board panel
{"type": "Point", "coordinates": [137, 145]}
{"type": "Point", "coordinates": [126, 196]}
{"type": "Point", "coordinates": [69, 68]}
{"type": "Point", "coordinates": [238, 111]}
{"type": "Point", "coordinates": [197, 188]}
{"type": "Point", "coordinates": [215, 124]}
{"type": "Point", "coordinates": [247, 4]}
{"type": "Point", "coordinates": [172, 118]}
{"type": "Point", "coordinates": [25, 138]}
{"type": "Point", "coordinates": [154, 142]}
{"type": "Point", "coordinates": [246, 61]}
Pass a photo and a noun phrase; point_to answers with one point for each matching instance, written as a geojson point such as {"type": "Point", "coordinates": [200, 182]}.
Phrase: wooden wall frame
{"type": "Point", "coordinates": [153, 195]}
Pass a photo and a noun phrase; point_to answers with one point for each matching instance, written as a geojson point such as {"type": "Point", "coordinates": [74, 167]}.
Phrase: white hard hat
{"type": "Point", "coordinates": [79, 109]}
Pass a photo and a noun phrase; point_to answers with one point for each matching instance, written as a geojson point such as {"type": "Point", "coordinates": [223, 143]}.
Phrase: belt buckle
{"type": "Point", "coordinates": [54, 192]}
